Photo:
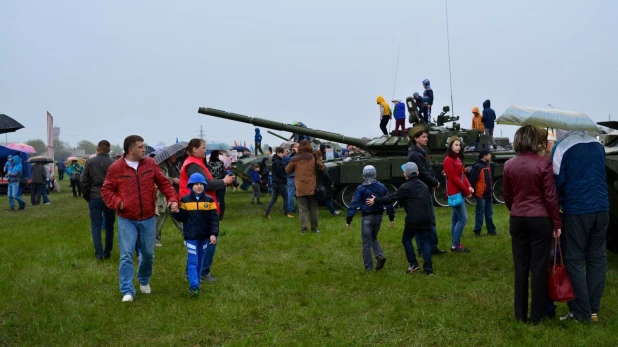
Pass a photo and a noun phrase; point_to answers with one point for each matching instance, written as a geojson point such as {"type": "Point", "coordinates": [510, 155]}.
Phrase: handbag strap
{"type": "Point", "coordinates": [557, 248]}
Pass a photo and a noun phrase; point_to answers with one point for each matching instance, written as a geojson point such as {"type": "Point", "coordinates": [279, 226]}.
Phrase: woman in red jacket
{"type": "Point", "coordinates": [456, 183]}
{"type": "Point", "coordinates": [530, 195]}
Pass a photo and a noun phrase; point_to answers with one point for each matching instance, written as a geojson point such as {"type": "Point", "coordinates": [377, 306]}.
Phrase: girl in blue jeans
{"type": "Point", "coordinates": [456, 183]}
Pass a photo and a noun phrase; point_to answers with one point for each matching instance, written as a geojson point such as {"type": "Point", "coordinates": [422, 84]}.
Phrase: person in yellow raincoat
{"type": "Point", "coordinates": [385, 114]}
{"type": "Point", "coordinates": [477, 124]}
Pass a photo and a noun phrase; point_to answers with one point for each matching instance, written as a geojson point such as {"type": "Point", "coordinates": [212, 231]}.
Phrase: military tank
{"type": "Point", "coordinates": [386, 153]}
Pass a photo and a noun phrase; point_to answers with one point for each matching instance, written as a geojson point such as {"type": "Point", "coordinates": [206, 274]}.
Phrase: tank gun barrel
{"type": "Point", "coordinates": [261, 122]}
{"type": "Point", "coordinates": [277, 135]}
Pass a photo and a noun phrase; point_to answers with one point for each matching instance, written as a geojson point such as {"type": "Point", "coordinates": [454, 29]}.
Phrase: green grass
{"type": "Point", "coordinates": [274, 287]}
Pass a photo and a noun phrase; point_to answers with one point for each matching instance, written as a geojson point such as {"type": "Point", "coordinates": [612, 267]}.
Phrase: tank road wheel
{"type": "Point", "coordinates": [347, 193]}
{"type": "Point", "coordinates": [439, 196]}
{"type": "Point", "coordinates": [498, 191]}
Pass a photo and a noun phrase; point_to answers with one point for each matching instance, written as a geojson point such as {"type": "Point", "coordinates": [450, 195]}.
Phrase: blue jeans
{"type": "Point", "coordinates": [484, 207]}
{"type": "Point", "coordinates": [369, 235]}
{"type": "Point", "coordinates": [424, 238]}
{"type": "Point", "coordinates": [210, 254]}
{"type": "Point", "coordinates": [44, 193]}
{"type": "Point", "coordinates": [129, 231]}
{"type": "Point", "coordinates": [101, 216]}
{"type": "Point", "coordinates": [329, 204]}
{"type": "Point", "coordinates": [195, 256]}
{"type": "Point", "coordinates": [291, 193]}
{"type": "Point", "coordinates": [14, 193]}
{"type": "Point", "coordinates": [433, 235]}
{"type": "Point", "coordinates": [459, 217]}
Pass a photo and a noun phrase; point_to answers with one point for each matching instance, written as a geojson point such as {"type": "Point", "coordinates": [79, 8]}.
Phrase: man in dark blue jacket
{"type": "Point", "coordinates": [417, 155]}
{"type": "Point", "coordinates": [579, 171]}
{"type": "Point", "coordinates": [414, 196]}
{"type": "Point", "coordinates": [372, 216]}
{"type": "Point", "coordinates": [279, 180]}
{"type": "Point", "coordinates": [489, 119]}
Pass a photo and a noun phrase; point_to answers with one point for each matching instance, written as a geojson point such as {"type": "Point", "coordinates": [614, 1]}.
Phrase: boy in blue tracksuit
{"type": "Point", "coordinates": [256, 183]}
{"type": "Point", "coordinates": [372, 216]}
{"type": "Point", "coordinates": [258, 141]}
{"type": "Point", "coordinates": [198, 213]}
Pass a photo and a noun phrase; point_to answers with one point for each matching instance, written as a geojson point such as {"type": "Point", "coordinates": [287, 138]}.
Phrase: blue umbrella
{"type": "Point", "coordinates": [217, 146]}
{"type": "Point", "coordinates": [240, 148]}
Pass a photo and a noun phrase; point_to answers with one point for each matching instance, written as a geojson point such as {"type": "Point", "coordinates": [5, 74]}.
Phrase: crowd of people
{"type": "Point", "coordinates": [551, 193]}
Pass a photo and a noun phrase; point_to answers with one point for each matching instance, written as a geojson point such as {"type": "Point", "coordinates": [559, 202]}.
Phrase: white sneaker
{"type": "Point", "coordinates": [569, 316]}
{"type": "Point", "coordinates": [144, 289]}
{"type": "Point", "coordinates": [127, 298]}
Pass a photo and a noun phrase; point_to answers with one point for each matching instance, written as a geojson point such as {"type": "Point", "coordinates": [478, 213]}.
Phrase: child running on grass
{"type": "Point", "coordinates": [372, 216]}
{"type": "Point", "coordinates": [198, 213]}
{"type": "Point", "coordinates": [256, 183]}
{"type": "Point", "coordinates": [414, 196]}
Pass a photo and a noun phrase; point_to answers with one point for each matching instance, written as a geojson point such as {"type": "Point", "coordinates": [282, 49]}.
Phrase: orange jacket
{"type": "Point", "coordinates": [477, 124]}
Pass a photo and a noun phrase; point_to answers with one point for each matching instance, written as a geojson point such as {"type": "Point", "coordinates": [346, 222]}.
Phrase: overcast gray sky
{"type": "Point", "coordinates": [109, 69]}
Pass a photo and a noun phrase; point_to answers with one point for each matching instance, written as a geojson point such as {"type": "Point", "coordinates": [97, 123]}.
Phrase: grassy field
{"type": "Point", "coordinates": [274, 287]}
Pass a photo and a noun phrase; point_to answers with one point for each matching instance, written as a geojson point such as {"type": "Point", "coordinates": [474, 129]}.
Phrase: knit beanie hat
{"type": "Point", "coordinates": [369, 172]}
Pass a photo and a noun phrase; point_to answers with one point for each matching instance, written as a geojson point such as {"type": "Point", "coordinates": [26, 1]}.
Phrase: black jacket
{"type": "Point", "coordinates": [38, 174]}
{"type": "Point", "coordinates": [327, 182]}
{"type": "Point", "coordinates": [414, 196]}
{"type": "Point", "coordinates": [489, 116]}
{"type": "Point", "coordinates": [94, 173]}
{"type": "Point", "coordinates": [199, 217]}
{"type": "Point", "coordinates": [480, 179]}
{"type": "Point", "coordinates": [279, 175]}
{"type": "Point", "coordinates": [425, 173]}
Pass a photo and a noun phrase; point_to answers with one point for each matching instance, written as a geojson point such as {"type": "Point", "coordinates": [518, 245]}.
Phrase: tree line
{"type": "Point", "coordinates": [63, 149]}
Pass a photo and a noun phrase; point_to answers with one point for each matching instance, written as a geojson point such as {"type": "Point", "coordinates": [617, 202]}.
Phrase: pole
{"type": "Point", "coordinates": [394, 82]}
{"type": "Point", "coordinates": [448, 43]}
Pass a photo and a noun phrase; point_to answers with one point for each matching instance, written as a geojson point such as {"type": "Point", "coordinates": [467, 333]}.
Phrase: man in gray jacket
{"type": "Point", "coordinates": [91, 180]}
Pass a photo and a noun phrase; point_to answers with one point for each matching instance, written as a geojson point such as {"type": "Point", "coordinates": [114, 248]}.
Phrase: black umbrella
{"type": "Point", "coordinates": [8, 124]}
{"type": "Point", "coordinates": [40, 159]}
{"type": "Point", "coordinates": [169, 151]}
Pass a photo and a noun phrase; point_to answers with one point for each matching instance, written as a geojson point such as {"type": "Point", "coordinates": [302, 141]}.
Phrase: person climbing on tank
{"type": "Point", "coordinates": [428, 98]}
{"type": "Point", "coordinates": [258, 142]}
{"type": "Point", "coordinates": [400, 117]}
{"type": "Point", "coordinates": [422, 109]}
{"type": "Point", "coordinates": [385, 114]}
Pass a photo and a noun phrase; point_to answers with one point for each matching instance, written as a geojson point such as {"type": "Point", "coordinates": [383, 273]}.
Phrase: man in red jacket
{"type": "Point", "coordinates": [128, 189]}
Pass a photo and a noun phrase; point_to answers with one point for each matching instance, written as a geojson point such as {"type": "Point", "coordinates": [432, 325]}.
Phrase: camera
{"type": "Point", "coordinates": [235, 182]}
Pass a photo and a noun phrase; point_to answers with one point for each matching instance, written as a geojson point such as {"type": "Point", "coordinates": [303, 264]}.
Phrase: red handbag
{"type": "Point", "coordinates": [559, 286]}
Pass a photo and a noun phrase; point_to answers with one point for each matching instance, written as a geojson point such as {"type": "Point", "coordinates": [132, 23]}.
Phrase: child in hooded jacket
{"type": "Point", "coordinates": [198, 213]}
{"type": "Point", "coordinates": [256, 183]}
{"type": "Point", "coordinates": [372, 216]}
{"type": "Point", "coordinates": [414, 196]}
{"type": "Point", "coordinates": [258, 141]}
